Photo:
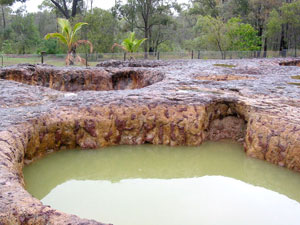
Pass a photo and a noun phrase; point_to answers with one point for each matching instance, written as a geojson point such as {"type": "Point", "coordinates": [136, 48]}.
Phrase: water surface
{"type": "Point", "coordinates": [214, 184]}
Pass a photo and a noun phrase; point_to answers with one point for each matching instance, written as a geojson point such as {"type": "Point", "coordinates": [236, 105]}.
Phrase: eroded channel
{"type": "Point", "coordinates": [129, 185]}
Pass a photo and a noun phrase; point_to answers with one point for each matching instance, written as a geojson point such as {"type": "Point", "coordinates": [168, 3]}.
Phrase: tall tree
{"type": "Point", "coordinates": [25, 36]}
{"type": "Point", "coordinates": [212, 32]}
{"type": "Point", "coordinates": [101, 30]}
{"type": "Point", "coordinates": [235, 8]}
{"type": "Point", "coordinates": [162, 32]}
{"type": "Point", "coordinates": [258, 16]}
{"type": "Point", "coordinates": [205, 8]}
{"type": "Point", "coordinates": [283, 26]}
{"type": "Point", "coordinates": [4, 3]}
{"type": "Point", "coordinates": [215, 34]}
{"type": "Point", "coordinates": [291, 16]}
{"type": "Point", "coordinates": [69, 8]}
{"type": "Point", "coordinates": [149, 13]}
{"type": "Point", "coordinates": [274, 30]}
{"type": "Point", "coordinates": [128, 13]}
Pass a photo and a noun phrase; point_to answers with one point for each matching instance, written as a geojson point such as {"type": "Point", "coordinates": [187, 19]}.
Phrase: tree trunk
{"type": "Point", "coordinates": [3, 17]}
{"type": "Point", "coordinates": [265, 47]}
{"type": "Point", "coordinates": [282, 42]}
{"type": "Point", "coordinates": [70, 59]}
{"type": "Point", "coordinates": [74, 8]}
{"type": "Point", "coordinates": [146, 44]}
{"type": "Point", "coordinates": [63, 9]}
{"type": "Point", "coordinates": [221, 50]}
{"type": "Point", "coordinates": [295, 41]}
{"type": "Point", "coordinates": [260, 31]}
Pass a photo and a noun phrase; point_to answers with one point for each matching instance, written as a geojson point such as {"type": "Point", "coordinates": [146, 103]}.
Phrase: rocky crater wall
{"type": "Point", "coordinates": [77, 79]}
{"type": "Point", "coordinates": [155, 124]}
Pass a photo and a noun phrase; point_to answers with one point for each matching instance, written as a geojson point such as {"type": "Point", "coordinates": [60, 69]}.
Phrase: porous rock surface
{"type": "Point", "coordinates": [45, 108]}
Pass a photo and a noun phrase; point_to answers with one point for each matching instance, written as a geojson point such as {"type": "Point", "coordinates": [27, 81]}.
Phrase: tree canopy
{"type": "Point", "coordinates": [166, 25]}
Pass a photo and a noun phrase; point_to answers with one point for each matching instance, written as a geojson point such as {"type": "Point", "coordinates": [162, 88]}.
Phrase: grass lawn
{"type": "Point", "coordinates": [56, 61]}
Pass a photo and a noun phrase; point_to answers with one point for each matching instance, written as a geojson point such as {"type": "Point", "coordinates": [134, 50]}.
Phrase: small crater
{"type": "Point", "coordinates": [290, 63]}
{"type": "Point", "coordinates": [131, 80]}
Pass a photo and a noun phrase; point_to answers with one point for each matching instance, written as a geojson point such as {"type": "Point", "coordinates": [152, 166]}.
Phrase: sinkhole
{"type": "Point", "coordinates": [290, 63]}
{"type": "Point", "coordinates": [214, 183]}
{"type": "Point", "coordinates": [71, 79]}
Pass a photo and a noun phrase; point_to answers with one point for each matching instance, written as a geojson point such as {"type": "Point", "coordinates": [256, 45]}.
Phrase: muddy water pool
{"type": "Point", "coordinates": [213, 184]}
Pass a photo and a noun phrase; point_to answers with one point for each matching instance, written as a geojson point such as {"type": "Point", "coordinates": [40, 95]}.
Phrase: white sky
{"type": "Point", "coordinates": [32, 5]}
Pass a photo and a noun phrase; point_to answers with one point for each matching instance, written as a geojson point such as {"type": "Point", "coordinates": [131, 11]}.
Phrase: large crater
{"type": "Point", "coordinates": [77, 79]}
{"type": "Point", "coordinates": [179, 110]}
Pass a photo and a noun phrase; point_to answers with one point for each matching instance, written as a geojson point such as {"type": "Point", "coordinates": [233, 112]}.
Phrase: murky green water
{"type": "Point", "coordinates": [214, 184]}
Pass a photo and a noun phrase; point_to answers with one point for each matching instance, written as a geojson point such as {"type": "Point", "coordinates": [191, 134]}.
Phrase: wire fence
{"type": "Point", "coordinates": [95, 58]}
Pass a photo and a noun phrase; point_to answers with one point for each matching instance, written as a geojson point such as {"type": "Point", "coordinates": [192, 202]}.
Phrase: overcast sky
{"type": "Point", "coordinates": [32, 5]}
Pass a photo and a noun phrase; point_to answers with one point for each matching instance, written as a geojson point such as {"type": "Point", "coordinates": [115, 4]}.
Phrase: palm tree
{"type": "Point", "coordinates": [68, 37]}
{"type": "Point", "coordinates": [130, 44]}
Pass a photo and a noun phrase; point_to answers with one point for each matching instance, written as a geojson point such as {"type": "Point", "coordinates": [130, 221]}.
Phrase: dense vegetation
{"type": "Point", "coordinates": [216, 25]}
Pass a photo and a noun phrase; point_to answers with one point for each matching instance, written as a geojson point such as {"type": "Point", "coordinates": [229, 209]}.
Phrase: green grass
{"type": "Point", "coordinates": [58, 61]}
{"type": "Point", "coordinates": [293, 83]}
{"type": "Point", "coordinates": [7, 61]}
{"type": "Point", "coordinates": [296, 77]}
{"type": "Point", "coordinates": [225, 65]}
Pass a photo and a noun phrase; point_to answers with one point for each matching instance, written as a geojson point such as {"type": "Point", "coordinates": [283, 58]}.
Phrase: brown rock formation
{"type": "Point", "coordinates": [167, 104]}
{"type": "Point", "coordinates": [80, 79]}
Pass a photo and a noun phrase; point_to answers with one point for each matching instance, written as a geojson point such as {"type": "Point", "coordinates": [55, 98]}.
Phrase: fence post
{"type": "Point", "coordinates": [42, 57]}
{"type": "Point", "coordinates": [86, 60]}
{"type": "Point", "coordinates": [198, 54]}
{"type": "Point", "coordinates": [157, 55]}
{"type": "Point", "coordinates": [192, 54]}
{"type": "Point", "coordinates": [2, 61]}
{"type": "Point", "coordinates": [124, 56]}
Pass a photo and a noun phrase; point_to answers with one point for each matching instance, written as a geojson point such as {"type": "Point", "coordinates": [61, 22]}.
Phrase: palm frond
{"type": "Point", "coordinates": [59, 36]}
{"type": "Point", "coordinates": [132, 36]}
{"type": "Point", "coordinates": [118, 45]}
{"type": "Point", "coordinates": [84, 42]}
{"type": "Point", "coordinates": [128, 44]}
{"type": "Point", "coordinates": [67, 36]}
{"type": "Point", "coordinates": [138, 43]}
{"type": "Point", "coordinates": [65, 26]}
{"type": "Point", "coordinates": [76, 28]}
